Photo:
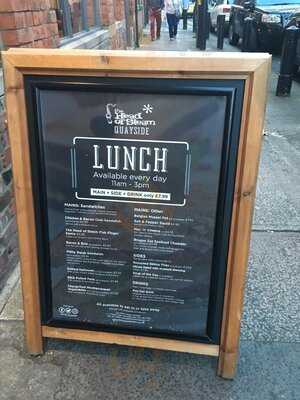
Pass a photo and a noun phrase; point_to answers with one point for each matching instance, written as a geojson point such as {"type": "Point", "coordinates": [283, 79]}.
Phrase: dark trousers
{"type": "Point", "coordinates": [184, 19]}
{"type": "Point", "coordinates": [195, 18]}
{"type": "Point", "coordinates": [155, 16]}
{"type": "Point", "coordinates": [173, 24]}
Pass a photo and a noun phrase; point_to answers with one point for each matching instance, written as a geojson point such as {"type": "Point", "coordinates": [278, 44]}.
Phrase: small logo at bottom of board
{"type": "Point", "coordinates": [68, 311]}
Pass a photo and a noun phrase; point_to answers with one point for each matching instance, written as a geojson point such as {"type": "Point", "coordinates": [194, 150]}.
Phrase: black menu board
{"type": "Point", "coordinates": [133, 192]}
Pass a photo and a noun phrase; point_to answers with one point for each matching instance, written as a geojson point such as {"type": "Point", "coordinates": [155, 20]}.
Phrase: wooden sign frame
{"type": "Point", "coordinates": [253, 69]}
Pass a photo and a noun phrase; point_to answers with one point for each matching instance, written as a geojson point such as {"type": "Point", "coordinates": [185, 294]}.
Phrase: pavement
{"type": "Point", "coordinates": [269, 361]}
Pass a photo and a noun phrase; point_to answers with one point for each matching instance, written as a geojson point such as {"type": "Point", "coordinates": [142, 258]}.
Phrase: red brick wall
{"type": "Point", "coordinates": [90, 12]}
{"type": "Point", "coordinates": [107, 12]}
{"type": "Point", "coordinates": [28, 23]}
{"type": "Point", "coordinates": [33, 23]}
{"type": "Point", "coordinates": [76, 15]}
{"type": "Point", "coordinates": [119, 10]}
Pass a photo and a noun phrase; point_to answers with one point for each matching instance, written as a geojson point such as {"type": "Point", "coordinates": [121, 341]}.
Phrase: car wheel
{"type": "Point", "coordinates": [232, 36]}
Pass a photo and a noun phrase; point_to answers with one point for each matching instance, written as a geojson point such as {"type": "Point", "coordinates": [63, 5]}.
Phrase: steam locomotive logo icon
{"type": "Point", "coordinates": [68, 311]}
{"type": "Point", "coordinates": [109, 109]}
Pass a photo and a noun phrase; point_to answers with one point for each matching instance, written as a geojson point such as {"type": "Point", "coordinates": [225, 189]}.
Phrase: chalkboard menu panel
{"type": "Point", "coordinates": [133, 183]}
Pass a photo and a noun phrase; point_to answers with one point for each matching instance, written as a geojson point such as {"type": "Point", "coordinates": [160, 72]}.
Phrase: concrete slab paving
{"type": "Point", "coordinates": [185, 41]}
{"type": "Point", "coordinates": [287, 107]}
{"type": "Point", "coordinates": [8, 289]}
{"type": "Point", "coordinates": [278, 191]}
{"type": "Point", "coordinates": [13, 310]}
{"type": "Point", "coordinates": [277, 205]}
{"type": "Point", "coordinates": [272, 296]}
{"type": "Point", "coordinates": [83, 371]}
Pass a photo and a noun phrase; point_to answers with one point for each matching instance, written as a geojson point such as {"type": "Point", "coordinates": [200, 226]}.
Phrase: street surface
{"type": "Point", "coordinates": [270, 347]}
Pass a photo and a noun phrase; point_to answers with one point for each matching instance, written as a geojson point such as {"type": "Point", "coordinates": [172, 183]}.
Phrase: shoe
{"type": "Point", "coordinates": [152, 39]}
{"type": "Point", "coordinates": [171, 38]}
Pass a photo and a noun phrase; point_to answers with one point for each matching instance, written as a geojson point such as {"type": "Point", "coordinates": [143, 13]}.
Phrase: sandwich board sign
{"type": "Point", "coordinates": [135, 178]}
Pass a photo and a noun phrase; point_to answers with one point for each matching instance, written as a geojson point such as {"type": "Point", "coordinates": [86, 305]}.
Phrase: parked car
{"type": "Point", "coordinates": [296, 22]}
{"type": "Point", "coordinates": [297, 59]}
{"type": "Point", "coordinates": [270, 18]}
{"type": "Point", "coordinates": [216, 7]}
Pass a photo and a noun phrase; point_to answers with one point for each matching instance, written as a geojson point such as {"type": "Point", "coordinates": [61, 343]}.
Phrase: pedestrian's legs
{"type": "Point", "coordinates": [158, 23]}
{"type": "Point", "coordinates": [176, 21]}
{"type": "Point", "coordinates": [170, 24]}
{"type": "Point", "coordinates": [174, 25]}
{"type": "Point", "coordinates": [152, 23]}
{"type": "Point", "coordinates": [184, 19]}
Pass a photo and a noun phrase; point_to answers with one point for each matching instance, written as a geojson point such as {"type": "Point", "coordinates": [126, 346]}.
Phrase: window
{"type": "Point", "coordinates": [76, 16]}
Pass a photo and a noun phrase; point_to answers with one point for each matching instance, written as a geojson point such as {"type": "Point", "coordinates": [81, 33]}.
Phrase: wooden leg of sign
{"type": "Point", "coordinates": [227, 364]}
{"type": "Point", "coordinates": [24, 204]}
{"type": "Point", "coordinates": [33, 332]}
{"type": "Point", "coordinates": [34, 348]}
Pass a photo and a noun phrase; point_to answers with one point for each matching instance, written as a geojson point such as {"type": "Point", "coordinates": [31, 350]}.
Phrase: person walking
{"type": "Point", "coordinates": [155, 7]}
{"type": "Point", "coordinates": [173, 10]}
{"type": "Point", "coordinates": [185, 7]}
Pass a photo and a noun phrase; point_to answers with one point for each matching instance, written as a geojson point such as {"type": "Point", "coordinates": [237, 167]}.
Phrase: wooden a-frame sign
{"type": "Point", "coordinates": [135, 177]}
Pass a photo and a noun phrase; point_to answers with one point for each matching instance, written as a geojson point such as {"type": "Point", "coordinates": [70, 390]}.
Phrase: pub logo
{"type": "Point", "coordinates": [124, 123]}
